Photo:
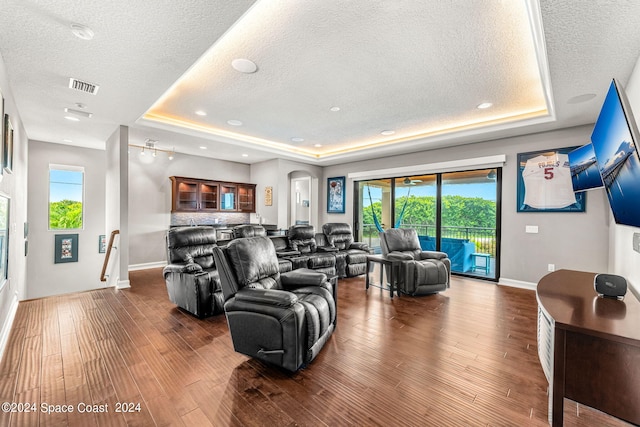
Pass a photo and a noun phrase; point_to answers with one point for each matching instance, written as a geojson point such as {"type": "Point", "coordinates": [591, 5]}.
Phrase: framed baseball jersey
{"type": "Point", "coordinates": [544, 182]}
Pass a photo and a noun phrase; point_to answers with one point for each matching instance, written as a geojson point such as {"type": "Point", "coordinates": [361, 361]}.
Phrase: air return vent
{"type": "Point", "coordinates": [83, 86]}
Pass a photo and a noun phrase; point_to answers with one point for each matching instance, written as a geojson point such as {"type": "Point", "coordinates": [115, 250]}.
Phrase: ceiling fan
{"type": "Point", "coordinates": [409, 181]}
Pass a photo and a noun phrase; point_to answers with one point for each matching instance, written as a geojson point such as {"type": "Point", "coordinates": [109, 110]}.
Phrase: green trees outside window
{"type": "Point", "coordinates": [66, 196]}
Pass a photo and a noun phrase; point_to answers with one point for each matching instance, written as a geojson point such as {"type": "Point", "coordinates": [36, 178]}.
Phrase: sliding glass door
{"type": "Point", "coordinates": [453, 212]}
{"type": "Point", "coordinates": [469, 227]}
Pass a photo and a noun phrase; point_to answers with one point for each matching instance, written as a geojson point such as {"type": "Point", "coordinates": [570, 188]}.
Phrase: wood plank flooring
{"type": "Point", "coordinates": [466, 357]}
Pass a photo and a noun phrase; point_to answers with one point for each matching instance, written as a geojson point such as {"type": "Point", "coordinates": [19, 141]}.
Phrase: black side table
{"type": "Point", "coordinates": [390, 265]}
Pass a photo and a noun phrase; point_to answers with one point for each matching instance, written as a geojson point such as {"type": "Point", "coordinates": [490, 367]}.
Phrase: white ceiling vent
{"type": "Point", "coordinates": [83, 86]}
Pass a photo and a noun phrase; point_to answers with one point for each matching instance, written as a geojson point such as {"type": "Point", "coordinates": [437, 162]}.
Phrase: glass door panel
{"type": "Point", "coordinates": [208, 196]}
{"type": "Point", "coordinates": [415, 207]}
{"type": "Point", "coordinates": [470, 221]}
{"type": "Point", "coordinates": [374, 211]}
{"type": "Point", "coordinates": [228, 197]}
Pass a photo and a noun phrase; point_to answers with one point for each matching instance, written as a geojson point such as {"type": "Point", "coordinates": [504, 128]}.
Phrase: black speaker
{"type": "Point", "coordinates": [610, 285]}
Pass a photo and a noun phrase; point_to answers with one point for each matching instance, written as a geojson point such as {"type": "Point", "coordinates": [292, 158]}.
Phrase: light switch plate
{"type": "Point", "coordinates": [636, 242]}
{"type": "Point", "coordinates": [531, 228]}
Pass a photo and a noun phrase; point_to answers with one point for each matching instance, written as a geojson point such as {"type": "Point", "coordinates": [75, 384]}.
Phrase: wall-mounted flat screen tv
{"type": "Point", "coordinates": [583, 165]}
{"type": "Point", "coordinates": [614, 140]}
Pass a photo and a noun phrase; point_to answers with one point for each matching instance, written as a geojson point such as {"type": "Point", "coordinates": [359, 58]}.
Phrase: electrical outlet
{"type": "Point", "coordinates": [531, 229]}
{"type": "Point", "coordinates": [551, 267]}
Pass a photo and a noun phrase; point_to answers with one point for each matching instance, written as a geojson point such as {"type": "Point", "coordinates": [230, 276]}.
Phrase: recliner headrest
{"type": "Point", "coordinates": [301, 232]}
{"type": "Point", "coordinates": [331, 228]}
{"type": "Point", "coordinates": [253, 259]}
{"type": "Point", "coordinates": [191, 236]}
{"type": "Point", "coordinates": [248, 230]}
{"type": "Point", "coordinates": [402, 239]}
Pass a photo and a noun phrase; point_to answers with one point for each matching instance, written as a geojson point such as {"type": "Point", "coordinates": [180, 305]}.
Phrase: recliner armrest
{"type": "Point", "coordinates": [287, 252]}
{"type": "Point", "coordinates": [399, 256]}
{"type": "Point", "coordinates": [359, 245]}
{"type": "Point", "coordinates": [326, 249]}
{"type": "Point", "coordinates": [274, 297]}
{"type": "Point", "coordinates": [191, 267]}
{"type": "Point", "coordinates": [302, 277]}
{"type": "Point", "coordinates": [432, 255]}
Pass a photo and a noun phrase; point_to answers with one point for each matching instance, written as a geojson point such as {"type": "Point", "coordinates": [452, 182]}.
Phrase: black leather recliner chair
{"type": "Point", "coordinates": [284, 319]}
{"type": "Point", "coordinates": [192, 280]}
{"type": "Point", "coordinates": [421, 272]}
{"type": "Point", "coordinates": [351, 258]}
{"type": "Point", "coordinates": [302, 238]}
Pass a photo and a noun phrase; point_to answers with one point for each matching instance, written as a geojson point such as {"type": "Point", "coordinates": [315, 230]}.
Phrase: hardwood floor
{"type": "Point", "coordinates": [466, 357]}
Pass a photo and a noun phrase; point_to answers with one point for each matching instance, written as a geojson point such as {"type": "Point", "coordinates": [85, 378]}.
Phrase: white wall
{"type": "Point", "coordinates": [277, 174]}
{"type": "Point", "coordinates": [623, 259]}
{"type": "Point", "coordinates": [576, 241]}
{"type": "Point", "coordinates": [44, 276]}
{"type": "Point", "coordinates": [14, 185]}
{"type": "Point", "coordinates": [150, 197]}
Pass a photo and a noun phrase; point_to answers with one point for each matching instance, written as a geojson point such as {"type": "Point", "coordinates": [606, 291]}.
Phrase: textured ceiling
{"type": "Point", "coordinates": [418, 68]}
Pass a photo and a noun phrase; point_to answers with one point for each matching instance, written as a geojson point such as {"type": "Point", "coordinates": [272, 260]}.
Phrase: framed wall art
{"type": "Point", "coordinates": [66, 248]}
{"type": "Point", "coordinates": [102, 243]}
{"type": "Point", "coordinates": [544, 182]}
{"type": "Point", "coordinates": [268, 196]}
{"type": "Point", "coordinates": [335, 194]}
{"type": "Point", "coordinates": [7, 149]}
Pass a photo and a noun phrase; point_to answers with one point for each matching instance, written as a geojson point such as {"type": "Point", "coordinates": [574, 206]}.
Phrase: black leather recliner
{"type": "Point", "coordinates": [302, 238]}
{"type": "Point", "coordinates": [351, 258]}
{"type": "Point", "coordinates": [284, 319]}
{"type": "Point", "coordinates": [192, 280]}
{"type": "Point", "coordinates": [421, 272]}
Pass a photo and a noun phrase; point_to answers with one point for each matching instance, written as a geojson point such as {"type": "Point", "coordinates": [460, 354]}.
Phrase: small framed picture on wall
{"type": "Point", "coordinates": [336, 194]}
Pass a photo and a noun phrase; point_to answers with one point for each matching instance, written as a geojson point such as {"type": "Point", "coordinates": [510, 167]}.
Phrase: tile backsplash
{"type": "Point", "coordinates": [205, 218]}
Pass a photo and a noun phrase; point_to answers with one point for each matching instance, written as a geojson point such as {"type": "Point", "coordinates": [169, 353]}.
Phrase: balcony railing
{"type": "Point", "coordinates": [484, 238]}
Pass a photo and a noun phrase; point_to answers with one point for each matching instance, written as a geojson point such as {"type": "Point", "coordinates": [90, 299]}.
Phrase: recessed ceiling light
{"type": "Point", "coordinates": [387, 132]}
{"type": "Point", "coordinates": [73, 119]}
{"type": "Point", "coordinates": [202, 147]}
{"type": "Point", "coordinates": [317, 145]}
{"type": "Point", "coordinates": [82, 31]}
{"type": "Point", "coordinates": [245, 155]}
{"type": "Point", "coordinates": [234, 122]}
{"type": "Point", "coordinates": [484, 105]}
{"type": "Point", "coordinates": [334, 109]}
{"type": "Point", "coordinates": [244, 65]}
{"type": "Point", "coordinates": [297, 139]}
{"type": "Point", "coordinates": [201, 113]}
{"type": "Point", "coordinates": [581, 98]}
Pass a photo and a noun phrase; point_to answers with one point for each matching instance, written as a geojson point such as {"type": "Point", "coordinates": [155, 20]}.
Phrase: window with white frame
{"type": "Point", "coordinates": [66, 197]}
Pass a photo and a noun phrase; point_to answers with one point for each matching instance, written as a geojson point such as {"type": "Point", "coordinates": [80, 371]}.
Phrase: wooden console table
{"type": "Point", "coordinates": [589, 346]}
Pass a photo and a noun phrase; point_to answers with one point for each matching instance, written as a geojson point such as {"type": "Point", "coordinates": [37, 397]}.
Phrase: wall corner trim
{"type": "Point", "coordinates": [147, 265]}
{"type": "Point", "coordinates": [6, 326]}
{"type": "Point", "coordinates": [123, 284]}
{"type": "Point", "coordinates": [518, 284]}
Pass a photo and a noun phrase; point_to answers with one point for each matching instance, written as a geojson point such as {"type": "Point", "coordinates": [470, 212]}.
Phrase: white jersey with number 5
{"type": "Point", "coordinates": [547, 182]}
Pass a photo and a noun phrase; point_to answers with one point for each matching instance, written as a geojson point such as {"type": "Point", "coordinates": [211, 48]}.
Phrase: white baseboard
{"type": "Point", "coordinates": [8, 322]}
{"type": "Point", "coordinates": [146, 265]}
{"type": "Point", "coordinates": [123, 284]}
{"type": "Point", "coordinates": [517, 284]}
